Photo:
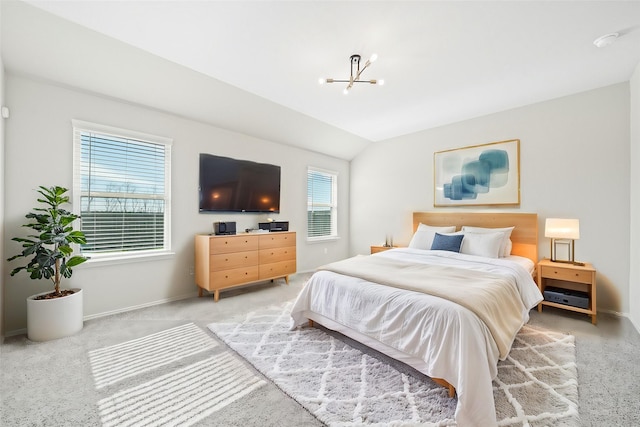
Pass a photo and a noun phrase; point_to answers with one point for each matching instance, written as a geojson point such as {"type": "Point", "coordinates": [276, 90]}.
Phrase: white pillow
{"type": "Point", "coordinates": [423, 237]}
{"type": "Point", "coordinates": [507, 249]}
{"type": "Point", "coordinates": [482, 244]}
{"type": "Point", "coordinates": [506, 244]}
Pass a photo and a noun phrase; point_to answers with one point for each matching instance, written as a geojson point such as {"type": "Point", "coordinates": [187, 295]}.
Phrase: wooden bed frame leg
{"type": "Point", "coordinates": [310, 323]}
{"type": "Point", "coordinates": [445, 384]}
{"type": "Point", "coordinates": [452, 391]}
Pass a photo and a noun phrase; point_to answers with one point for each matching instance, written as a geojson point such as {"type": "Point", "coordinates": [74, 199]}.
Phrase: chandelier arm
{"type": "Point", "coordinates": [348, 81]}
{"type": "Point", "coordinates": [355, 60]}
{"type": "Point", "coordinates": [361, 71]}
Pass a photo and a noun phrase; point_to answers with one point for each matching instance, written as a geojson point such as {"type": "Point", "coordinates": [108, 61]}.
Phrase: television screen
{"type": "Point", "coordinates": [231, 185]}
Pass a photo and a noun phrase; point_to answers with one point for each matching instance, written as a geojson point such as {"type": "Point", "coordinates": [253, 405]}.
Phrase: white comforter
{"type": "Point", "coordinates": [438, 337]}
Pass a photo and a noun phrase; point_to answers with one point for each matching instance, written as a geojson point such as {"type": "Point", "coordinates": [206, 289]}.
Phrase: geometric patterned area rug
{"type": "Point", "coordinates": [346, 386]}
{"type": "Point", "coordinates": [170, 378]}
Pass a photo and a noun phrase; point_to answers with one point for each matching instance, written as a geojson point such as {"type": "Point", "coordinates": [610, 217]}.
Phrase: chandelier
{"type": "Point", "coordinates": [355, 73]}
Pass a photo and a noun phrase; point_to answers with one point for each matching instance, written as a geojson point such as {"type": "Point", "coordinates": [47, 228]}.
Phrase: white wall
{"type": "Point", "coordinates": [39, 152]}
{"type": "Point", "coordinates": [1, 192]}
{"type": "Point", "coordinates": [574, 163]}
{"type": "Point", "coordinates": [634, 251]}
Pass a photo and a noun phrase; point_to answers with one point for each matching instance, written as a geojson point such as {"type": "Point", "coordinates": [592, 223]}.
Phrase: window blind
{"type": "Point", "coordinates": [122, 186]}
{"type": "Point", "coordinates": [321, 204]}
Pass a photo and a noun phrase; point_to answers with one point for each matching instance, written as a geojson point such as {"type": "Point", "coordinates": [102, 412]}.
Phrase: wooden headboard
{"type": "Point", "coordinates": [524, 236]}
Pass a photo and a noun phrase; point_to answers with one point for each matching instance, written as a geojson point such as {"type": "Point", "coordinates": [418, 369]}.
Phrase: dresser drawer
{"type": "Point", "coordinates": [277, 240]}
{"type": "Point", "coordinates": [235, 276]}
{"type": "Point", "coordinates": [220, 262]}
{"type": "Point", "coordinates": [268, 256]}
{"type": "Point", "coordinates": [223, 245]}
{"type": "Point", "coordinates": [571, 275]}
{"type": "Point", "coordinates": [277, 269]}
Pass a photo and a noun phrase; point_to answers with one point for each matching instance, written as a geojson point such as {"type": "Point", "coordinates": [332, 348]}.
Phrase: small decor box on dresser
{"type": "Point", "coordinates": [567, 285]}
{"type": "Point", "coordinates": [224, 262]}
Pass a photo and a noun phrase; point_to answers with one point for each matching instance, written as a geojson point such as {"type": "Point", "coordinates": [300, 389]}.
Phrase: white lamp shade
{"type": "Point", "coordinates": [561, 228]}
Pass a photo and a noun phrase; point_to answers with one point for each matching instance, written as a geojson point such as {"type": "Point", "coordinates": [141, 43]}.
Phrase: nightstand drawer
{"type": "Point", "coordinates": [572, 275]}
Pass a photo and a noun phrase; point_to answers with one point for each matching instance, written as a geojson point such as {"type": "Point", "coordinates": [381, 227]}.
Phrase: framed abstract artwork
{"type": "Point", "coordinates": [487, 174]}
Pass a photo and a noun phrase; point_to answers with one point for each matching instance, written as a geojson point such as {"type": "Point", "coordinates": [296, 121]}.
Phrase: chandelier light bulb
{"type": "Point", "coordinates": [373, 57]}
{"type": "Point", "coordinates": [321, 81]}
{"type": "Point", "coordinates": [606, 40]}
{"type": "Point", "coordinates": [381, 82]}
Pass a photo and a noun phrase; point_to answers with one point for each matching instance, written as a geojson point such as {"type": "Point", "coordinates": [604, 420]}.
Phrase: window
{"type": "Point", "coordinates": [322, 215]}
{"type": "Point", "coordinates": [122, 186]}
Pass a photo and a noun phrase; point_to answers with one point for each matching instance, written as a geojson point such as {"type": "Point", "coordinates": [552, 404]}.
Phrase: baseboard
{"type": "Point", "coordinates": [615, 313]}
{"type": "Point", "coordinates": [635, 325]}
{"type": "Point", "coordinates": [8, 334]}
{"type": "Point", "coordinates": [625, 315]}
{"type": "Point", "coordinates": [139, 306]}
{"type": "Point", "coordinates": [23, 331]}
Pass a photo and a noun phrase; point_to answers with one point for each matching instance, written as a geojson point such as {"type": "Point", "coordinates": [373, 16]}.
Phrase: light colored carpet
{"type": "Point", "coordinates": [342, 386]}
{"type": "Point", "coordinates": [175, 396]}
{"type": "Point", "coordinates": [52, 383]}
{"type": "Point", "coordinates": [128, 359]}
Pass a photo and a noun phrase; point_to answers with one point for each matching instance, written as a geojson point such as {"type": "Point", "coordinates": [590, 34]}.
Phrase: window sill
{"type": "Point", "coordinates": [322, 239]}
{"type": "Point", "coordinates": [101, 261]}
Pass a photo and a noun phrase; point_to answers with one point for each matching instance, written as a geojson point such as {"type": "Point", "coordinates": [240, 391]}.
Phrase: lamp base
{"type": "Point", "coordinates": [570, 243]}
{"type": "Point", "coordinates": [568, 262]}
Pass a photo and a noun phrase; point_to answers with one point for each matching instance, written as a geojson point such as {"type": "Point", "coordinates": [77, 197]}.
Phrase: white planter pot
{"type": "Point", "coordinates": [49, 319]}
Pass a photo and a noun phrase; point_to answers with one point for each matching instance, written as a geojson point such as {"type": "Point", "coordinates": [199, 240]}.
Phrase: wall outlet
{"type": "Point", "coordinates": [191, 271]}
{"type": "Point", "coordinates": [326, 251]}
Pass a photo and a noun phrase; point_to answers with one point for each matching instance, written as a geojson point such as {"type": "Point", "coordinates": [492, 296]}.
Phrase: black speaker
{"type": "Point", "coordinates": [224, 228]}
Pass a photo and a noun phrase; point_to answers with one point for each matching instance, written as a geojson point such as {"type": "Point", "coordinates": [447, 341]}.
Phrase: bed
{"type": "Point", "coordinates": [380, 301]}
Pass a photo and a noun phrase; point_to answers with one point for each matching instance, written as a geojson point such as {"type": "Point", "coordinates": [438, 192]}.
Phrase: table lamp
{"type": "Point", "coordinates": [562, 231]}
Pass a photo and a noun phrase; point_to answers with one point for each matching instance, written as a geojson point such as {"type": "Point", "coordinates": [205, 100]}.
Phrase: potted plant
{"type": "Point", "coordinates": [56, 314]}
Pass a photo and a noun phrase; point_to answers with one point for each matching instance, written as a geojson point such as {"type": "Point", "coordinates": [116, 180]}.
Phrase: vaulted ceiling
{"type": "Point", "coordinates": [442, 61]}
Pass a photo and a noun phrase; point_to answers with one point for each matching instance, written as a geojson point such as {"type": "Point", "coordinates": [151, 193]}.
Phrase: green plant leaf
{"type": "Point", "coordinates": [76, 260]}
{"type": "Point", "coordinates": [53, 243]}
{"type": "Point", "coordinates": [65, 250]}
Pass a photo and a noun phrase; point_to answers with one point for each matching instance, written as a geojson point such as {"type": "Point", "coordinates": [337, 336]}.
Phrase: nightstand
{"type": "Point", "coordinates": [568, 277]}
{"type": "Point", "coordinates": [376, 249]}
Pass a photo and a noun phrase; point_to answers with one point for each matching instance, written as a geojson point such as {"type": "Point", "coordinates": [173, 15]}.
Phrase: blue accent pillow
{"type": "Point", "coordinates": [442, 242]}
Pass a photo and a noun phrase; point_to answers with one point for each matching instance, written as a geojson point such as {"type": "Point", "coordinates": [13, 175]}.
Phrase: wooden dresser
{"type": "Point", "coordinates": [224, 262]}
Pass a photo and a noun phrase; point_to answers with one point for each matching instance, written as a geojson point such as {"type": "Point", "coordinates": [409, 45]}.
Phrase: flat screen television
{"type": "Point", "coordinates": [231, 185]}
